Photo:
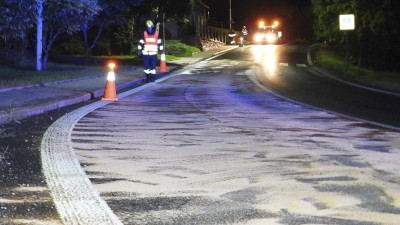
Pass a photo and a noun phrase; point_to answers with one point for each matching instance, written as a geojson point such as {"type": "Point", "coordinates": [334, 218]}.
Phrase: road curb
{"type": "Point", "coordinates": [25, 112]}
{"type": "Point", "coordinates": [310, 56]}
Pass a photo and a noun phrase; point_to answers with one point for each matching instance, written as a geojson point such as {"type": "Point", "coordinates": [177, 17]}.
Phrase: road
{"type": "Point", "coordinates": [278, 69]}
{"type": "Point", "coordinates": [210, 145]}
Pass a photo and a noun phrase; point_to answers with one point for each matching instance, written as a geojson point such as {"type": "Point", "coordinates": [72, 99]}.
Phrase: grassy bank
{"type": "Point", "coordinates": [178, 49]}
{"type": "Point", "coordinates": [333, 60]}
{"type": "Point", "coordinates": [72, 67]}
{"type": "Point", "coordinates": [12, 77]}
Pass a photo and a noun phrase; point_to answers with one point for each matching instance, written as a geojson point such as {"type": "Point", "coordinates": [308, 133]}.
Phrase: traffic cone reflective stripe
{"type": "Point", "coordinates": [110, 92]}
{"type": "Point", "coordinates": [163, 64]}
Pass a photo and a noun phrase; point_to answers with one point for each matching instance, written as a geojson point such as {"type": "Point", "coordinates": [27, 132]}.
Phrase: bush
{"type": "Point", "coordinates": [175, 50]}
{"type": "Point", "coordinates": [179, 49]}
{"type": "Point", "coordinates": [70, 45]}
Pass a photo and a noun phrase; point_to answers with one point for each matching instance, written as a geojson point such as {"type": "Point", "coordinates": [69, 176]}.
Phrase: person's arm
{"type": "Point", "coordinates": [160, 44]}
{"type": "Point", "coordinates": [140, 46]}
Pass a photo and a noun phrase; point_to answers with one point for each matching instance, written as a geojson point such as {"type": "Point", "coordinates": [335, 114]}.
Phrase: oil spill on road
{"type": "Point", "coordinates": [24, 196]}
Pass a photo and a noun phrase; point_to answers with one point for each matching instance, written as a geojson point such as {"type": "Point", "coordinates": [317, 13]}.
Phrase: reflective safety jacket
{"type": "Point", "coordinates": [150, 44]}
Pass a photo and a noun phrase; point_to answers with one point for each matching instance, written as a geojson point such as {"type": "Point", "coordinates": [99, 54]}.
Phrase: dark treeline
{"type": "Point", "coordinates": [375, 41]}
{"type": "Point", "coordinates": [85, 27]}
{"type": "Point", "coordinates": [111, 27]}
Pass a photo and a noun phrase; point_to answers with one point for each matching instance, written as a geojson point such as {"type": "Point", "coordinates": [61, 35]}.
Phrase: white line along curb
{"type": "Point", "coordinates": [76, 200]}
{"type": "Point", "coordinates": [74, 196]}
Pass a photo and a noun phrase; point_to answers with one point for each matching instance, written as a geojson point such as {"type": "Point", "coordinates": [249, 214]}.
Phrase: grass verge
{"type": "Point", "coordinates": [70, 67]}
{"type": "Point", "coordinates": [13, 77]}
{"type": "Point", "coordinates": [333, 60]}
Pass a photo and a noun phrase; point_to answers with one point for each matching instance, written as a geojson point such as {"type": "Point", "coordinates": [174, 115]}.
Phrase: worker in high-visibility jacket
{"type": "Point", "coordinates": [148, 46]}
{"type": "Point", "coordinates": [244, 33]}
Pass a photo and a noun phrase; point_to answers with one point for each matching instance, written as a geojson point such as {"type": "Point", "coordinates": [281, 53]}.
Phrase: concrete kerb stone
{"type": "Point", "coordinates": [25, 112]}
{"type": "Point", "coordinates": [310, 55]}
{"type": "Point", "coordinates": [213, 54]}
{"type": "Point", "coordinates": [224, 51]}
{"type": "Point", "coordinates": [4, 118]}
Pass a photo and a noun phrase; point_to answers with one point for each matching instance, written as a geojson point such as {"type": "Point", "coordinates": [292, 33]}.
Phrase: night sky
{"type": "Point", "coordinates": [247, 12]}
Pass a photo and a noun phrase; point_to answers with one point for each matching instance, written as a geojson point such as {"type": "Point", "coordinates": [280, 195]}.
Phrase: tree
{"type": "Point", "coordinates": [64, 17]}
{"type": "Point", "coordinates": [39, 34]}
{"type": "Point", "coordinates": [178, 10]}
{"type": "Point", "coordinates": [376, 33]}
{"type": "Point", "coordinates": [119, 13]}
{"type": "Point", "coordinates": [87, 25]}
{"type": "Point", "coordinates": [326, 25]}
{"type": "Point", "coordinates": [16, 19]}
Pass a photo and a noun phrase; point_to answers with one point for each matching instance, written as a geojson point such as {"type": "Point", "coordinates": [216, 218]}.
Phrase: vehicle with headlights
{"type": "Point", "coordinates": [267, 34]}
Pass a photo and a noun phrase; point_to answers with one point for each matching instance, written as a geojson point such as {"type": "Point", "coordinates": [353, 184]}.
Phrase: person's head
{"type": "Point", "coordinates": [244, 27]}
{"type": "Point", "coordinates": [149, 26]}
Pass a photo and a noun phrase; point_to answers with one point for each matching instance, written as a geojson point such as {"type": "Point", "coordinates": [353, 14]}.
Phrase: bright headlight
{"type": "Point", "coordinates": [258, 37]}
{"type": "Point", "coordinates": [271, 37]}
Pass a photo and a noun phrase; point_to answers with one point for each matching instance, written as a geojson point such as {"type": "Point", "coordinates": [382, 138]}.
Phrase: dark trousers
{"type": "Point", "coordinates": [150, 64]}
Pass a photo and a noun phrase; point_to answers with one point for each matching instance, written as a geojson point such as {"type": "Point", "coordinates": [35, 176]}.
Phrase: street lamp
{"type": "Point", "coordinates": [163, 25]}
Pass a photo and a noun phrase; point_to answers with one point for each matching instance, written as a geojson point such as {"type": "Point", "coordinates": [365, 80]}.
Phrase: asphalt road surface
{"type": "Point", "coordinates": [211, 145]}
{"type": "Point", "coordinates": [278, 69]}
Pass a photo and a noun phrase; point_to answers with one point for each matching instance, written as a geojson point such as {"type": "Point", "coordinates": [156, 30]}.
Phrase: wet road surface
{"type": "Point", "coordinates": [211, 146]}
{"type": "Point", "coordinates": [278, 69]}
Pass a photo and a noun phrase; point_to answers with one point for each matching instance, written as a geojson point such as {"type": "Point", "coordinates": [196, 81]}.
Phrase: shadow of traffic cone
{"type": "Point", "coordinates": [110, 93]}
{"type": "Point", "coordinates": [163, 64]}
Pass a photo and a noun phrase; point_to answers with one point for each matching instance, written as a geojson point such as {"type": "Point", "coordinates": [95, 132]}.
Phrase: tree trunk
{"type": "Point", "coordinates": [88, 47]}
{"type": "Point", "coordinates": [39, 36]}
{"type": "Point", "coordinates": [45, 59]}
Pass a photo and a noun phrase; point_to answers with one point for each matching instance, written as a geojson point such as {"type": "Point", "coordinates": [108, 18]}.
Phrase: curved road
{"type": "Point", "coordinates": [313, 88]}
{"type": "Point", "coordinates": [209, 145]}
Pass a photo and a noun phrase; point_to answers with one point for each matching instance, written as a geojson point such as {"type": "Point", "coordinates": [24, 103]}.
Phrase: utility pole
{"type": "Point", "coordinates": [163, 19]}
{"type": "Point", "coordinates": [230, 15]}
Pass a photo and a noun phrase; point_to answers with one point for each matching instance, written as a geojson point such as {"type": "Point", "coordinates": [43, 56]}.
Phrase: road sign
{"type": "Point", "coordinates": [346, 22]}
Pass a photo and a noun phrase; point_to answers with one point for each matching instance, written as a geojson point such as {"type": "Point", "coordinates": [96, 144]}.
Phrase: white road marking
{"type": "Point", "coordinates": [298, 65]}
{"type": "Point", "coordinates": [283, 64]}
{"type": "Point", "coordinates": [74, 196]}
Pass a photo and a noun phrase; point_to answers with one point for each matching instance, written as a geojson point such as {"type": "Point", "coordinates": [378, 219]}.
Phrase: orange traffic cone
{"type": "Point", "coordinates": [163, 64]}
{"type": "Point", "coordinates": [110, 93]}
